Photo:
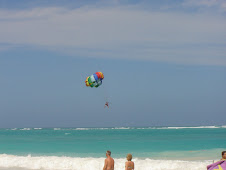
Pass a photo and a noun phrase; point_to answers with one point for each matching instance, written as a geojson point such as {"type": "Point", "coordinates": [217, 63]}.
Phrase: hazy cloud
{"type": "Point", "coordinates": [119, 32]}
{"type": "Point", "coordinates": [220, 4]}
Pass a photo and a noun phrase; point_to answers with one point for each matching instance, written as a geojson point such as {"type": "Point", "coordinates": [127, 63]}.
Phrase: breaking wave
{"type": "Point", "coordinates": [77, 163]}
{"type": "Point", "coordinates": [127, 128]}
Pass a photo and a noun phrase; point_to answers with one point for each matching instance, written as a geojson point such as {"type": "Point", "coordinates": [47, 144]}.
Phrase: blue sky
{"type": "Point", "coordinates": [163, 61]}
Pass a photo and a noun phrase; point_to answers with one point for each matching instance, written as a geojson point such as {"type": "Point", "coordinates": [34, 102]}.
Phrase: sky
{"type": "Point", "coordinates": [164, 63]}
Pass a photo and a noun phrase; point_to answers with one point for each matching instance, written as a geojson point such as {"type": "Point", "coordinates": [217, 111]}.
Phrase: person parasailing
{"type": "Point", "coordinates": [106, 104]}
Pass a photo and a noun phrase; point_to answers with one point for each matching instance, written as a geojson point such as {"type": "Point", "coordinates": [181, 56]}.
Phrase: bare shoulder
{"type": "Point", "coordinates": [110, 159]}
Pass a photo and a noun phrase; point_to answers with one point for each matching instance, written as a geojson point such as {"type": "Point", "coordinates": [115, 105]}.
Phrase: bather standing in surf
{"type": "Point", "coordinates": [109, 162]}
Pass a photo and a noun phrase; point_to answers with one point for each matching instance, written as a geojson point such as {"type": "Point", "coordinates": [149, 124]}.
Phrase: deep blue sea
{"type": "Point", "coordinates": [203, 143]}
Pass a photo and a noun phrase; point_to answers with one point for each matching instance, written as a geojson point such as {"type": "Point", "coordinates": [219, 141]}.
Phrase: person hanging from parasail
{"type": "Point", "coordinates": [106, 104]}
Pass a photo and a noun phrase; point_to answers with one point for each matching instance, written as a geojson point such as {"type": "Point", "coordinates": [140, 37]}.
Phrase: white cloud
{"type": "Point", "coordinates": [201, 2]}
{"type": "Point", "coordinates": [223, 6]}
{"type": "Point", "coordinates": [119, 32]}
{"type": "Point", "coordinates": [220, 4]}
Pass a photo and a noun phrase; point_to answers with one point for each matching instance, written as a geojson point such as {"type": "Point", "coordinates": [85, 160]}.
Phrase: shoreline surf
{"type": "Point", "coordinates": [84, 148]}
{"type": "Point", "coordinates": [70, 163]}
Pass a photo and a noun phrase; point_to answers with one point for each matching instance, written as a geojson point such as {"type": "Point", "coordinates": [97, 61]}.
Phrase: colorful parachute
{"type": "Point", "coordinates": [94, 80]}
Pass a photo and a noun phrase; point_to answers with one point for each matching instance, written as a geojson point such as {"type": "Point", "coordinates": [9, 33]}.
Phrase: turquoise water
{"type": "Point", "coordinates": [174, 143]}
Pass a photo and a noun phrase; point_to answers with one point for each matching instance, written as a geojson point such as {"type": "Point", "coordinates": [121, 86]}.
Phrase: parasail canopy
{"type": "Point", "coordinates": [95, 80]}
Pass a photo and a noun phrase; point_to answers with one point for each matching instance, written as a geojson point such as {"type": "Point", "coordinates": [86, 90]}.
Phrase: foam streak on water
{"type": "Point", "coordinates": [70, 163]}
{"type": "Point", "coordinates": [128, 128]}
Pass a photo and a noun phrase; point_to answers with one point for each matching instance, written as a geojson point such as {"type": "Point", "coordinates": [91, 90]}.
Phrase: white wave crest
{"type": "Point", "coordinates": [180, 127]}
{"type": "Point", "coordinates": [103, 128]}
{"type": "Point", "coordinates": [26, 129]}
{"type": "Point", "coordinates": [70, 163]}
{"type": "Point", "coordinates": [14, 129]}
{"type": "Point", "coordinates": [126, 128]}
{"type": "Point", "coordinates": [122, 128]}
{"type": "Point", "coordinates": [83, 128]}
{"type": "Point", "coordinates": [195, 127]}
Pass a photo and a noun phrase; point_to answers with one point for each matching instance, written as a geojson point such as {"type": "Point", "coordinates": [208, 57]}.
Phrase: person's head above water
{"type": "Point", "coordinates": [224, 154]}
{"type": "Point", "coordinates": [108, 153]}
{"type": "Point", "coordinates": [129, 157]}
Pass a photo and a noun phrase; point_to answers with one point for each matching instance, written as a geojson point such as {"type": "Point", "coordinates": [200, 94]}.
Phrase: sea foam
{"type": "Point", "coordinates": [26, 129]}
{"type": "Point", "coordinates": [37, 128]}
{"type": "Point", "coordinates": [126, 128]}
{"type": "Point", "coordinates": [72, 163]}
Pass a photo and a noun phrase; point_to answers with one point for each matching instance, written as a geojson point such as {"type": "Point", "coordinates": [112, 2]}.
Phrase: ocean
{"type": "Point", "coordinates": [153, 148]}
